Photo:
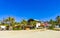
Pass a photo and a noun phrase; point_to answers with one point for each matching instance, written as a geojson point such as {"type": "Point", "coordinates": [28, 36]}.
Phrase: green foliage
{"type": "Point", "coordinates": [31, 22]}
{"type": "Point", "coordinates": [24, 22]}
{"type": "Point", "coordinates": [17, 28]}
{"type": "Point", "coordinates": [51, 27]}
{"type": "Point", "coordinates": [58, 20]}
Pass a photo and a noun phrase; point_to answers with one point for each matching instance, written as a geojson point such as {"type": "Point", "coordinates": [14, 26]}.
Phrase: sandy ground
{"type": "Point", "coordinates": [30, 34]}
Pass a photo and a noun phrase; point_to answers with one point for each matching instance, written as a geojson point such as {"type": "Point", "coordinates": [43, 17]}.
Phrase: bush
{"type": "Point", "coordinates": [51, 27]}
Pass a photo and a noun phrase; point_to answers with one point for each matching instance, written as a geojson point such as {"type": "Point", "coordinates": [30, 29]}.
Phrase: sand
{"type": "Point", "coordinates": [30, 34]}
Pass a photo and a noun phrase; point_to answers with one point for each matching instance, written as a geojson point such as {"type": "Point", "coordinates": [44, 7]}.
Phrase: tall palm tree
{"type": "Point", "coordinates": [11, 22]}
{"type": "Point", "coordinates": [53, 23]}
{"type": "Point", "coordinates": [58, 19]}
{"type": "Point", "coordinates": [23, 24]}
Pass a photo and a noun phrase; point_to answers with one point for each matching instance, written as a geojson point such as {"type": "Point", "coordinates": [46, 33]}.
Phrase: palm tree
{"type": "Point", "coordinates": [23, 24]}
{"type": "Point", "coordinates": [58, 20]}
{"type": "Point", "coordinates": [53, 23]}
{"type": "Point", "coordinates": [10, 21]}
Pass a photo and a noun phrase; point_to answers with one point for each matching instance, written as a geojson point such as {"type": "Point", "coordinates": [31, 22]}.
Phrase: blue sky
{"type": "Point", "coordinates": [25, 9]}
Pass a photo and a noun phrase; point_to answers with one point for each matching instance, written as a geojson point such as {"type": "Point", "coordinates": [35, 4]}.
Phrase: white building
{"type": "Point", "coordinates": [38, 25]}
